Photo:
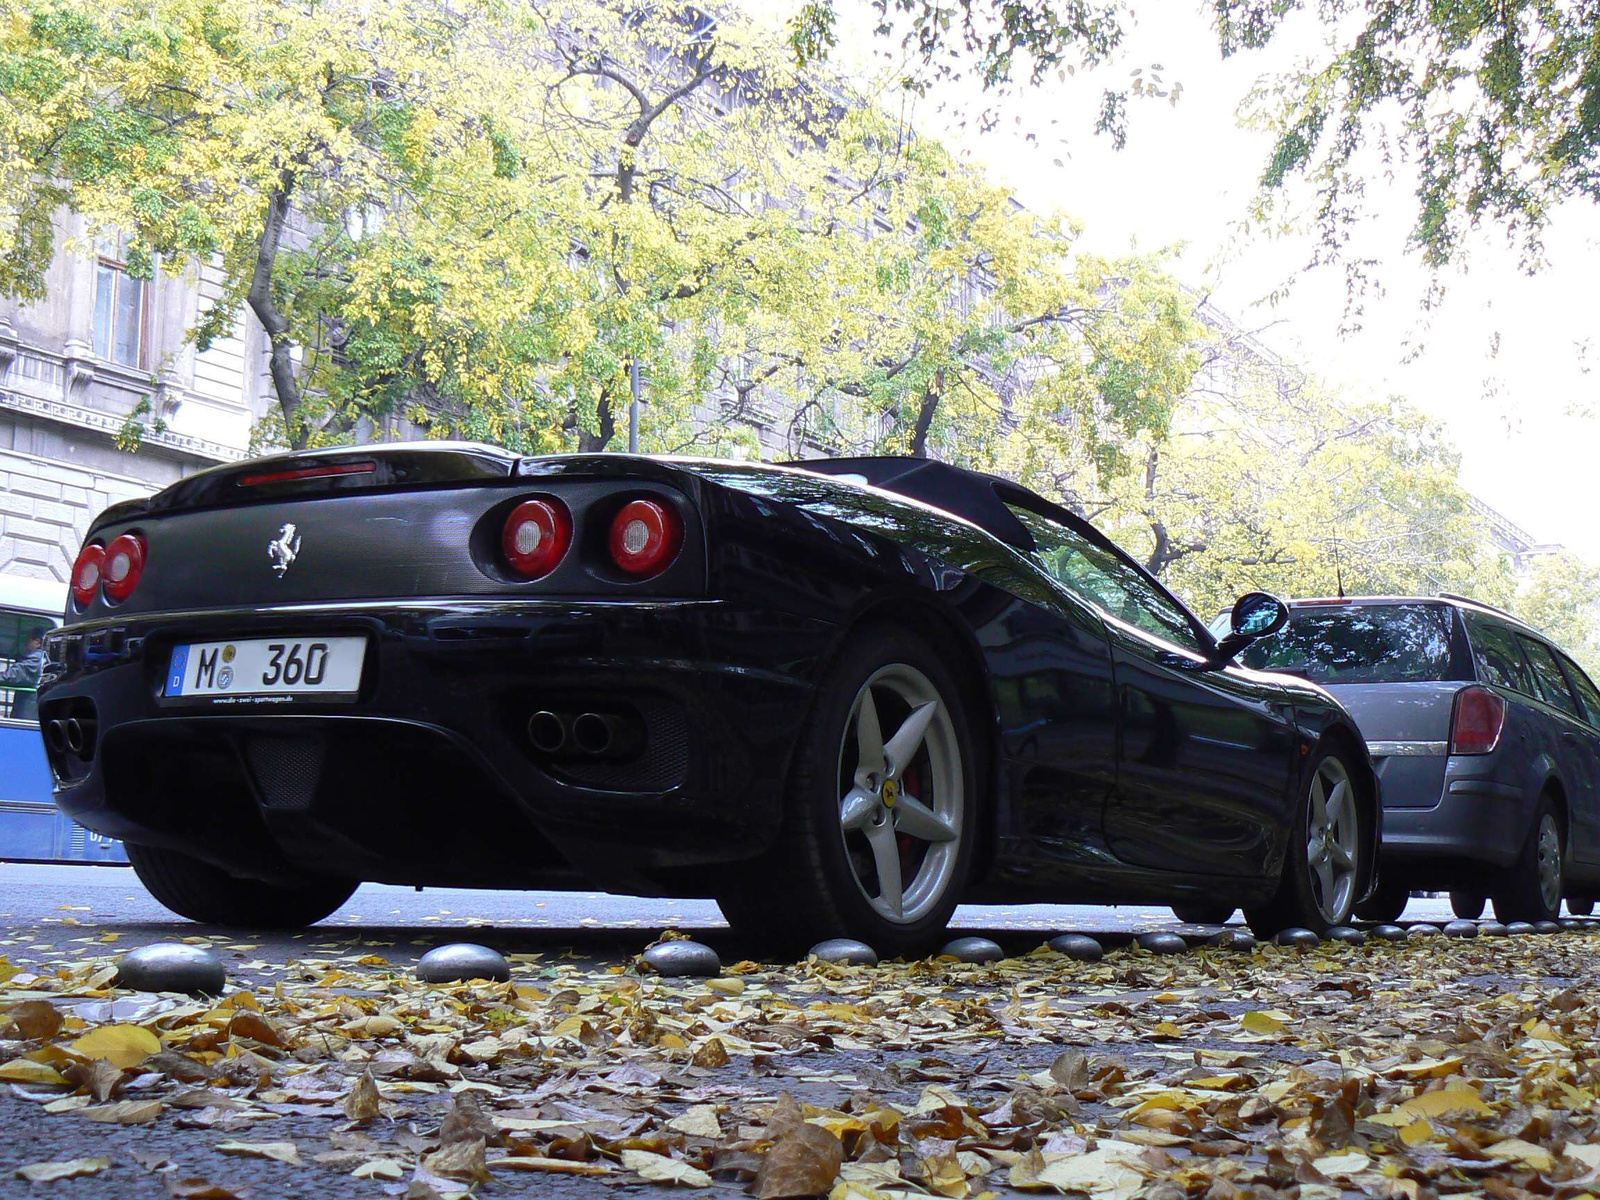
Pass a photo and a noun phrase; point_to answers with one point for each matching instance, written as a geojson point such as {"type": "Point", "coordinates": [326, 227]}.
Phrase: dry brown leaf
{"type": "Point", "coordinates": [178, 1066]}
{"type": "Point", "coordinates": [712, 1054]}
{"type": "Point", "coordinates": [362, 1102]}
{"type": "Point", "coordinates": [1105, 1172]}
{"type": "Point", "coordinates": [459, 1160]}
{"type": "Point", "coordinates": [202, 1189]}
{"type": "Point", "coordinates": [100, 1078]}
{"type": "Point", "coordinates": [380, 1168]}
{"type": "Point", "coordinates": [255, 1027]}
{"type": "Point", "coordinates": [661, 1168]}
{"type": "Point", "coordinates": [558, 1166]}
{"type": "Point", "coordinates": [284, 1152]}
{"type": "Point", "coordinates": [49, 1172]}
{"type": "Point", "coordinates": [699, 1120]}
{"type": "Point", "coordinates": [124, 1112]}
{"type": "Point", "coordinates": [804, 1161]}
{"type": "Point", "coordinates": [466, 1122]}
{"type": "Point", "coordinates": [36, 1020]}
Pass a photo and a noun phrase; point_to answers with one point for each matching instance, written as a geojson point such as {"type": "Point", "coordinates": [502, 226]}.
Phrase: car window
{"type": "Point", "coordinates": [1552, 683]}
{"type": "Point", "coordinates": [21, 659]}
{"type": "Point", "coordinates": [1363, 643]}
{"type": "Point", "coordinates": [1108, 581]}
{"type": "Point", "coordinates": [1588, 694]}
{"type": "Point", "coordinates": [1499, 660]}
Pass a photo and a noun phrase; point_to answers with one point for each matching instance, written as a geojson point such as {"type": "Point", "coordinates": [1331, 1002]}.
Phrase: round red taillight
{"type": "Point", "coordinates": [536, 537]}
{"type": "Point", "coordinates": [645, 537]}
{"type": "Point", "coordinates": [86, 573]}
{"type": "Point", "coordinates": [123, 565]}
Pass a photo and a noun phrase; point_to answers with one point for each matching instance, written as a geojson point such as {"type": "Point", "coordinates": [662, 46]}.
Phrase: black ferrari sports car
{"type": "Point", "coordinates": [837, 696]}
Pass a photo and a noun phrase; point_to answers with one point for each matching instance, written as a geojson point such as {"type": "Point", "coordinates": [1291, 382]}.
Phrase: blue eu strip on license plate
{"type": "Point", "coordinates": [179, 668]}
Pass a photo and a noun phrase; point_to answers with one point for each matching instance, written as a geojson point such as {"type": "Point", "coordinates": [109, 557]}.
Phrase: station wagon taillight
{"type": "Point", "coordinates": [1480, 716]}
{"type": "Point", "coordinates": [124, 564]}
{"type": "Point", "coordinates": [536, 537]}
{"type": "Point", "coordinates": [646, 536]}
{"type": "Point", "coordinates": [86, 573]}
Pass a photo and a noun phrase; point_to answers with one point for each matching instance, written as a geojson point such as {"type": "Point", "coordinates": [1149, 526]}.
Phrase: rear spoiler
{"type": "Point", "coordinates": [315, 472]}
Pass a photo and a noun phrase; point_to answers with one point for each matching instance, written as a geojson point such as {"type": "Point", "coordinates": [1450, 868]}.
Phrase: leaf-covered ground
{"type": "Point", "coordinates": [1432, 1067]}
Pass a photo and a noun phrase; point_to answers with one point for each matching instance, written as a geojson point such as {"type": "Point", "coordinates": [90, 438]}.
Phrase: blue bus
{"type": "Point", "coordinates": [32, 828]}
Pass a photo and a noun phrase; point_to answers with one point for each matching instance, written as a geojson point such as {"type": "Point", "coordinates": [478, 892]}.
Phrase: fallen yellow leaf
{"type": "Point", "coordinates": [23, 1070]}
{"type": "Point", "coordinates": [1260, 1022]}
{"type": "Point", "coordinates": [122, 1046]}
{"type": "Point", "coordinates": [1518, 1151]}
{"type": "Point", "coordinates": [1448, 1101]}
{"type": "Point", "coordinates": [1419, 1131]}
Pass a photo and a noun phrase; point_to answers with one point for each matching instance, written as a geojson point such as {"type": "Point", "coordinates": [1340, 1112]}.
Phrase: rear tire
{"type": "Point", "coordinates": [1202, 914]}
{"type": "Point", "coordinates": [1323, 862]}
{"type": "Point", "coordinates": [1530, 889]}
{"type": "Point", "coordinates": [1580, 908]}
{"type": "Point", "coordinates": [207, 894]}
{"type": "Point", "coordinates": [1387, 902]}
{"type": "Point", "coordinates": [847, 836]}
{"type": "Point", "coordinates": [1468, 905]}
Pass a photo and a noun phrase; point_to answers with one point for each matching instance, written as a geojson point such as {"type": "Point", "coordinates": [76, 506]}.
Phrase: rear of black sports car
{"type": "Point", "coordinates": [438, 665]}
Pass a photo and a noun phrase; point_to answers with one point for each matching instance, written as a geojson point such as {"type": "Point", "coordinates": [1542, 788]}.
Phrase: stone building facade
{"type": "Point", "coordinates": [104, 355]}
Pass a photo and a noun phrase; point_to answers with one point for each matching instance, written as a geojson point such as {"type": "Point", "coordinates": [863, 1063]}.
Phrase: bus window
{"type": "Point", "coordinates": [21, 661]}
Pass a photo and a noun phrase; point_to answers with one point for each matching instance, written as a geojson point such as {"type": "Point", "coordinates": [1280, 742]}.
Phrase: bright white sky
{"type": "Point", "coordinates": [1526, 419]}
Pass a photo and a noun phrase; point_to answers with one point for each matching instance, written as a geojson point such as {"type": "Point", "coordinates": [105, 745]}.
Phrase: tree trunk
{"type": "Point", "coordinates": [589, 443]}
{"type": "Point", "coordinates": [280, 360]}
{"type": "Point", "coordinates": [925, 410]}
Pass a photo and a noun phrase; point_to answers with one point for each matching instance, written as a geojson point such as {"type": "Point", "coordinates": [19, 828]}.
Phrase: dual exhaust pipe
{"type": "Point", "coordinates": [585, 735]}
{"type": "Point", "coordinates": [71, 735]}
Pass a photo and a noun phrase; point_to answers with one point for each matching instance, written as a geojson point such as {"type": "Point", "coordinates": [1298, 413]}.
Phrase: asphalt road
{"type": "Point", "coordinates": [51, 916]}
{"type": "Point", "coordinates": [112, 900]}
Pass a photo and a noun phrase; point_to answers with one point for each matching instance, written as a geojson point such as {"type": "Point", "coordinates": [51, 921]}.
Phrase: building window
{"type": "Point", "coordinates": [120, 302]}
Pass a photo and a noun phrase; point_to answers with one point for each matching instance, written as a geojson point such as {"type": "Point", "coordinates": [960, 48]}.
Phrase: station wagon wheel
{"type": "Point", "coordinates": [1530, 888]}
{"type": "Point", "coordinates": [881, 811]}
{"type": "Point", "coordinates": [1322, 865]}
{"type": "Point", "coordinates": [901, 794]}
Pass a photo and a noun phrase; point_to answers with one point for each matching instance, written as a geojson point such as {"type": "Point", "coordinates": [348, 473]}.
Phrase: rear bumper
{"type": "Point", "coordinates": [428, 776]}
{"type": "Point", "coordinates": [1475, 823]}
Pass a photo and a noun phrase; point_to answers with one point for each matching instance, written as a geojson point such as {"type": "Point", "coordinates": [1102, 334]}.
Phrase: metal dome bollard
{"type": "Point", "coordinates": [846, 952]}
{"type": "Point", "coordinates": [461, 962]}
{"type": "Point", "coordinates": [683, 959]}
{"type": "Point", "coordinates": [172, 967]}
{"type": "Point", "coordinates": [1162, 943]}
{"type": "Point", "coordinates": [973, 950]}
{"type": "Point", "coordinates": [1077, 946]}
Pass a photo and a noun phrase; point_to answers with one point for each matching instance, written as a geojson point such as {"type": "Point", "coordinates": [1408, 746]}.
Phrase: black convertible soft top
{"type": "Point", "coordinates": [977, 497]}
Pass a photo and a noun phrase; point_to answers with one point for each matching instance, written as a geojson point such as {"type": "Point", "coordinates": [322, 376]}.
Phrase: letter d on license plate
{"type": "Point", "coordinates": [267, 667]}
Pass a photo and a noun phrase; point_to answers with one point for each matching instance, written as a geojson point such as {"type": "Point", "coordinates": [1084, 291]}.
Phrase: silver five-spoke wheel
{"type": "Point", "coordinates": [901, 794]}
{"type": "Point", "coordinates": [1549, 862]}
{"type": "Point", "coordinates": [1332, 840]}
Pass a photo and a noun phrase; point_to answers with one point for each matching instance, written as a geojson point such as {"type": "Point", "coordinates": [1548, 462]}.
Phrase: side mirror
{"type": "Point", "coordinates": [1255, 615]}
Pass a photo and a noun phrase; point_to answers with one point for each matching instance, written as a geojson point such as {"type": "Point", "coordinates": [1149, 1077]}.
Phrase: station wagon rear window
{"type": "Point", "coordinates": [1365, 643]}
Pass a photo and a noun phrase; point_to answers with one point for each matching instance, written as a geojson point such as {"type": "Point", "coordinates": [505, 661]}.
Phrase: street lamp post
{"type": "Point", "coordinates": [633, 408]}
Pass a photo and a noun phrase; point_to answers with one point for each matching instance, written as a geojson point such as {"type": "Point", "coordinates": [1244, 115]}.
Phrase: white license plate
{"type": "Point", "coordinates": [267, 667]}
